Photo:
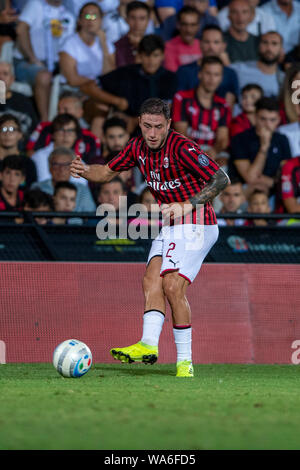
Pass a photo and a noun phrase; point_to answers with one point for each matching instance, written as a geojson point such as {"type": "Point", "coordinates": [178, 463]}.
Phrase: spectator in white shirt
{"type": "Point", "coordinates": [86, 54]}
{"type": "Point", "coordinates": [59, 168]}
{"type": "Point", "coordinates": [292, 130]}
{"type": "Point", "coordinates": [264, 72]}
{"type": "Point", "coordinates": [260, 23]}
{"type": "Point", "coordinates": [43, 26]}
{"type": "Point", "coordinates": [286, 14]}
{"type": "Point", "coordinates": [290, 93]}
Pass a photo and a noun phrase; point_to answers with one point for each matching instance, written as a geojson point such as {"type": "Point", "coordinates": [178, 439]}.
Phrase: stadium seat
{"type": "Point", "coordinates": [7, 56]}
{"type": "Point", "coordinates": [58, 86]}
{"type": "Point", "coordinates": [22, 87]}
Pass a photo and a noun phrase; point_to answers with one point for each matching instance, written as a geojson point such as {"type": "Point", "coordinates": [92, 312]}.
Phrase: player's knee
{"type": "Point", "coordinates": [171, 288]}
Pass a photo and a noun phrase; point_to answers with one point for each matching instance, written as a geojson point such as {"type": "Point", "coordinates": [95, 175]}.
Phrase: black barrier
{"type": "Point", "coordinates": [30, 241]}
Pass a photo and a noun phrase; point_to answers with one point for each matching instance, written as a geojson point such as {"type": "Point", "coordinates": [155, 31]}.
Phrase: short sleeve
{"type": "Point", "coordinates": [31, 11]}
{"type": "Point", "coordinates": [197, 162]}
{"type": "Point", "coordinates": [68, 46]}
{"type": "Point", "coordinates": [125, 159]}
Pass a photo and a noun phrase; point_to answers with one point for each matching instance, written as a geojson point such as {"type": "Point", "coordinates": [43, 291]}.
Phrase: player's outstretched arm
{"type": "Point", "coordinates": [93, 173]}
{"type": "Point", "coordinates": [218, 182]}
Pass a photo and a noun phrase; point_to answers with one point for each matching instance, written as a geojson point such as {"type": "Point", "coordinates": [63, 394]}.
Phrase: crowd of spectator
{"type": "Point", "coordinates": [229, 69]}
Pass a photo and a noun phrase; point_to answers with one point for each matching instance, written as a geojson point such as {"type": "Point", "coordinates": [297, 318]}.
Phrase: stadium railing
{"type": "Point", "coordinates": [30, 241]}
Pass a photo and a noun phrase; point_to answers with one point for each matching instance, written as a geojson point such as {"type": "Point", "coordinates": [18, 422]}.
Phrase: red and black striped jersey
{"type": "Point", "coordinates": [87, 145]}
{"type": "Point", "coordinates": [203, 123]}
{"type": "Point", "coordinates": [290, 179]}
{"type": "Point", "coordinates": [5, 206]}
{"type": "Point", "coordinates": [174, 173]}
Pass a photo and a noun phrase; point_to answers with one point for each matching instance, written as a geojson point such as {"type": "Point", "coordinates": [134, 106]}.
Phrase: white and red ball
{"type": "Point", "coordinates": [72, 358]}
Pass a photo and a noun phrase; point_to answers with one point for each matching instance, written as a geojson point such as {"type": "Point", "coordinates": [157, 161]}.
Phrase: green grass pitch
{"type": "Point", "coordinates": [132, 407]}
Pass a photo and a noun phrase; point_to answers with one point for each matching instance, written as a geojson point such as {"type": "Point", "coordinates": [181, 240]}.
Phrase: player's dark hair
{"type": "Point", "coordinates": [9, 117]}
{"type": "Point", "coordinates": [187, 10]}
{"type": "Point", "coordinates": [252, 86]}
{"type": "Point", "coordinates": [211, 60]}
{"type": "Point", "coordinates": [114, 121]}
{"type": "Point", "coordinates": [267, 103]}
{"type": "Point", "coordinates": [150, 43]}
{"type": "Point", "coordinates": [155, 106]}
{"type": "Point", "coordinates": [136, 5]}
{"type": "Point", "coordinates": [64, 185]}
{"type": "Point", "coordinates": [35, 198]}
{"type": "Point", "coordinates": [63, 119]}
{"type": "Point", "coordinates": [212, 27]}
{"type": "Point", "coordinates": [14, 162]}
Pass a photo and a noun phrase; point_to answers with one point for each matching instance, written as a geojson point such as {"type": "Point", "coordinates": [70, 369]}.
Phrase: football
{"type": "Point", "coordinates": [72, 358]}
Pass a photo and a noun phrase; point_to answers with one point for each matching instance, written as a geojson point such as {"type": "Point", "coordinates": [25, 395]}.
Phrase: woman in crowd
{"type": "Point", "coordinates": [86, 54]}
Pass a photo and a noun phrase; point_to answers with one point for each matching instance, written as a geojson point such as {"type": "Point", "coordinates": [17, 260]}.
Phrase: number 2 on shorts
{"type": "Point", "coordinates": [171, 248]}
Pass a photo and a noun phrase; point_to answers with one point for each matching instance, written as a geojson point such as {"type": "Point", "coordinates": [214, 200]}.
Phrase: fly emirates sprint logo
{"type": "Point", "coordinates": [157, 185]}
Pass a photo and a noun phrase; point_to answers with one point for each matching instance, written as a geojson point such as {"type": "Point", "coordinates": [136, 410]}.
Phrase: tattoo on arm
{"type": "Point", "coordinates": [218, 182]}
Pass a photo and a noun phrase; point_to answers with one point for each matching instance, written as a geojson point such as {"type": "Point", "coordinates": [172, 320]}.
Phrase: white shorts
{"type": "Point", "coordinates": [183, 248]}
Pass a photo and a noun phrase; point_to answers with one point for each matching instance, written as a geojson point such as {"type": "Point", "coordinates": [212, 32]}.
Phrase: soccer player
{"type": "Point", "coordinates": [183, 180]}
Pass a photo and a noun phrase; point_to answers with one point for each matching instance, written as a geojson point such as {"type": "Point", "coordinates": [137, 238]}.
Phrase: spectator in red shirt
{"type": "Point", "coordinates": [13, 174]}
{"type": "Point", "coordinates": [87, 145]}
{"type": "Point", "coordinates": [126, 48]}
{"type": "Point", "coordinates": [202, 115]}
{"type": "Point", "coordinates": [246, 119]}
{"type": "Point", "coordinates": [184, 48]}
{"type": "Point", "coordinates": [290, 185]}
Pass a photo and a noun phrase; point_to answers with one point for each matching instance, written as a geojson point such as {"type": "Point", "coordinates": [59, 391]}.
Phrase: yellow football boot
{"type": "Point", "coordinates": [185, 369]}
{"type": "Point", "coordinates": [139, 352]}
